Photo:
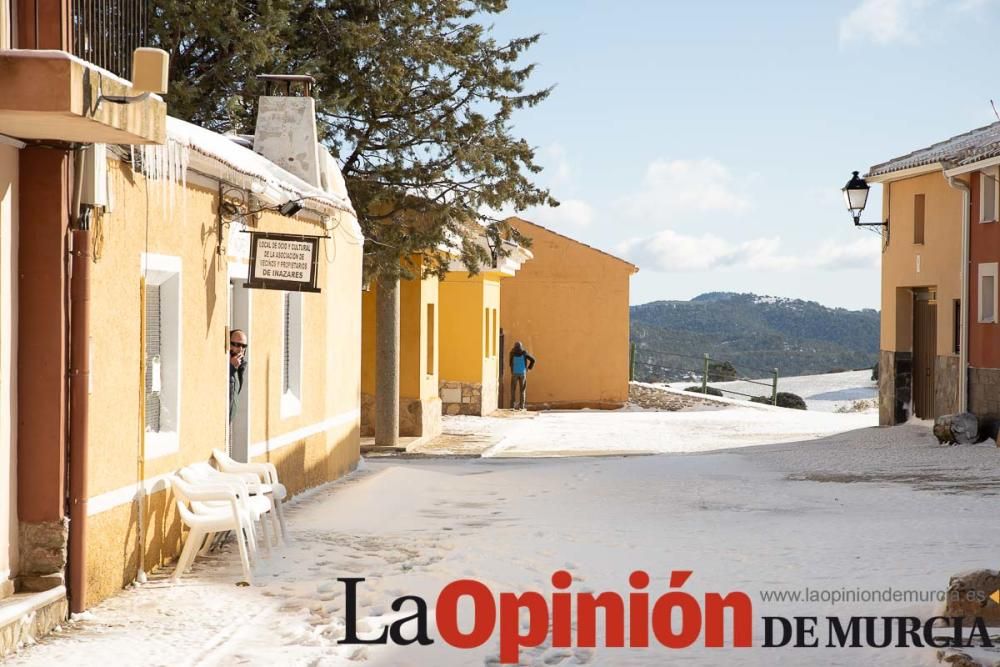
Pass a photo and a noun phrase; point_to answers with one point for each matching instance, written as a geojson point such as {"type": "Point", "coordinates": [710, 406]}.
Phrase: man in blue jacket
{"type": "Point", "coordinates": [520, 363]}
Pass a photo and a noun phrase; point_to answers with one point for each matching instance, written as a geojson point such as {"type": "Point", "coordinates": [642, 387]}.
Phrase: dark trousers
{"type": "Point", "coordinates": [518, 391]}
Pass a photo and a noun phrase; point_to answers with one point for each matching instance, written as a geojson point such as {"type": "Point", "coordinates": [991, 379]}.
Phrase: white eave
{"type": "Point", "coordinates": [973, 166]}
{"type": "Point", "coordinates": [219, 157]}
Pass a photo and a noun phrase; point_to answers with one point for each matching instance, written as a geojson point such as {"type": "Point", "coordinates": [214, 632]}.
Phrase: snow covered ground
{"type": "Point", "coordinates": [603, 433]}
{"type": "Point", "coordinates": [598, 432]}
{"type": "Point", "coordinates": [869, 509]}
{"type": "Point", "coordinates": [827, 392]}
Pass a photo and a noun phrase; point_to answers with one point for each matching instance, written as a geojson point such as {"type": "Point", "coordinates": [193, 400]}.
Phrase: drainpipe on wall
{"type": "Point", "coordinates": [79, 381]}
{"type": "Point", "coordinates": [963, 345]}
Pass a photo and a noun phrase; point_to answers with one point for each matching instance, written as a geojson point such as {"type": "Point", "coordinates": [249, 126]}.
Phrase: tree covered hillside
{"type": "Point", "coordinates": [755, 333]}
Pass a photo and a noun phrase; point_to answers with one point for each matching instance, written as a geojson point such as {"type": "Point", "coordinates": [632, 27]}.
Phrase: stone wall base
{"type": "Point", "coordinates": [946, 379]}
{"type": "Point", "coordinates": [420, 418]}
{"type": "Point", "coordinates": [416, 417]}
{"type": "Point", "coordinates": [29, 617]}
{"type": "Point", "coordinates": [42, 554]}
{"type": "Point", "coordinates": [895, 377]}
{"type": "Point", "coordinates": [462, 398]}
{"type": "Point", "coordinates": [984, 392]}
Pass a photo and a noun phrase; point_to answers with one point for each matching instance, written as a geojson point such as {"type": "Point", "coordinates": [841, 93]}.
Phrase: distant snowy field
{"type": "Point", "coordinates": [619, 432]}
{"type": "Point", "coordinates": [825, 393]}
{"type": "Point", "coordinates": [742, 424]}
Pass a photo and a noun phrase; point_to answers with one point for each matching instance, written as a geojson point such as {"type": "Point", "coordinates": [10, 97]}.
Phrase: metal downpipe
{"type": "Point", "coordinates": [79, 385]}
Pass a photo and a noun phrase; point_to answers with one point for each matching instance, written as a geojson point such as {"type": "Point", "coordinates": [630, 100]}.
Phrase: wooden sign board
{"type": "Point", "coordinates": [283, 262]}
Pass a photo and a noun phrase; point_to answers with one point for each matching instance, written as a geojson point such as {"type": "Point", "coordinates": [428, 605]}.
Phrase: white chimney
{"type": "Point", "coordinates": [286, 127]}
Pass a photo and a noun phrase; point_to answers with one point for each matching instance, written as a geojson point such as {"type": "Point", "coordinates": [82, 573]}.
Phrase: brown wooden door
{"type": "Point", "coordinates": [924, 351]}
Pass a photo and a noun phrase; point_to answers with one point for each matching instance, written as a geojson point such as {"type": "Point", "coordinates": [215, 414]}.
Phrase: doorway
{"type": "Point", "coordinates": [239, 318]}
{"type": "Point", "coordinates": [924, 352]}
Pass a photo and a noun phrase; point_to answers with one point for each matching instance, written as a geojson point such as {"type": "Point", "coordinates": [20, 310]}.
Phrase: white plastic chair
{"type": "Point", "coordinates": [254, 503]}
{"type": "Point", "coordinates": [267, 476]}
{"type": "Point", "coordinates": [226, 515]}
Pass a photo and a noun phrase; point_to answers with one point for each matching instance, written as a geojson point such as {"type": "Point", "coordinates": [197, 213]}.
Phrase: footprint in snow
{"type": "Point", "coordinates": [556, 656]}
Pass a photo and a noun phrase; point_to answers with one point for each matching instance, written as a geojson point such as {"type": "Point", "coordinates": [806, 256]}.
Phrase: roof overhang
{"type": "Point", "coordinates": [505, 267]}
{"type": "Point", "coordinates": [53, 96]}
{"type": "Point", "coordinates": [973, 166]}
{"type": "Point", "coordinates": [906, 173]}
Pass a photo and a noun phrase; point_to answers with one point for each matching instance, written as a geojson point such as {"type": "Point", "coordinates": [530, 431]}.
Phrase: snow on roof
{"type": "Point", "coordinates": [268, 181]}
{"type": "Point", "coordinates": [964, 148]}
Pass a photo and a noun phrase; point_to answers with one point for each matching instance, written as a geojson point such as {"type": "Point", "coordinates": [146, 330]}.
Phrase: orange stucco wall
{"type": "Point", "coordinates": [569, 307]}
{"type": "Point", "coordinates": [935, 264]}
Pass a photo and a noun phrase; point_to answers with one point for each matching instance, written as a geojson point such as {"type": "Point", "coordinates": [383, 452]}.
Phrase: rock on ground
{"type": "Point", "coordinates": [653, 398]}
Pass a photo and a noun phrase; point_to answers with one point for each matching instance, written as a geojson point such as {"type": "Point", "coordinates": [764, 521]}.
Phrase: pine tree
{"type": "Point", "coordinates": [216, 50]}
{"type": "Point", "coordinates": [416, 97]}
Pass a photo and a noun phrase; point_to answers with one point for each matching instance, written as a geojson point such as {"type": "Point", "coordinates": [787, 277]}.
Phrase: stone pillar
{"type": "Point", "coordinates": [387, 363]}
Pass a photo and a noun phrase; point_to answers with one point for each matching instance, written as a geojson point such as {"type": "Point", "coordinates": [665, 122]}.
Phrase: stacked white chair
{"type": "Point", "coordinates": [266, 476]}
{"type": "Point", "coordinates": [248, 488]}
{"type": "Point", "coordinates": [207, 509]}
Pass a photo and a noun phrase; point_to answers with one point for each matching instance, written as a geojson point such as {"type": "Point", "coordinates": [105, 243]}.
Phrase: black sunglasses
{"type": "Point", "coordinates": [233, 343]}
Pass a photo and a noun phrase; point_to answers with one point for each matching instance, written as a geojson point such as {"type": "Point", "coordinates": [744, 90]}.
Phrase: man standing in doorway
{"type": "Point", "coordinates": [237, 368]}
{"type": "Point", "coordinates": [520, 363]}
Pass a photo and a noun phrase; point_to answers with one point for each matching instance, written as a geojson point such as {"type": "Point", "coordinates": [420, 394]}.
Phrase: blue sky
{"type": "Point", "coordinates": [708, 142]}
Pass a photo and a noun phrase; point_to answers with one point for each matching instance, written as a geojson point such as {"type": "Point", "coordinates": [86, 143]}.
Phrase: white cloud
{"type": "Point", "coordinates": [890, 21]}
{"type": "Point", "coordinates": [570, 213]}
{"type": "Point", "coordinates": [674, 187]}
{"type": "Point", "coordinates": [670, 251]}
{"type": "Point", "coordinates": [880, 21]}
{"type": "Point", "coordinates": [557, 166]}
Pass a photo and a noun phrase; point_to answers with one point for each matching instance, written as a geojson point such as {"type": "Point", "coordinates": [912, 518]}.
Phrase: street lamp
{"type": "Point", "coordinates": [856, 196]}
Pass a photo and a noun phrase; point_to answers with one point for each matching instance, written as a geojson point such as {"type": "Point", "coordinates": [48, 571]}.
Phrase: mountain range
{"type": "Point", "coordinates": [754, 333]}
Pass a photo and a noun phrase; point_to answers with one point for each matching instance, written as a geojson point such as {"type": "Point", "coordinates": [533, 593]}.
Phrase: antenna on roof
{"type": "Point", "coordinates": [995, 110]}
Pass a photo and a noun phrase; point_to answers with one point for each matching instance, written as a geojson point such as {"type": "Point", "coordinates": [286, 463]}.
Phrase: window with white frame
{"type": "Point", "coordinates": [988, 292]}
{"type": "Point", "coordinates": [291, 344]}
{"type": "Point", "coordinates": [989, 195]}
{"type": "Point", "coordinates": [162, 353]}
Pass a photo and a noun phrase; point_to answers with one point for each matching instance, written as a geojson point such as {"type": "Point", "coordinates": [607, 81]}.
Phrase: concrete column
{"type": "Point", "coordinates": [387, 363]}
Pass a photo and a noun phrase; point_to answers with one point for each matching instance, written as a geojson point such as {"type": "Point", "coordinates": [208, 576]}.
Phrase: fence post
{"type": "Point", "coordinates": [704, 376]}
{"type": "Point", "coordinates": [631, 362]}
{"type": "Point", "coordinates": [774, 388]}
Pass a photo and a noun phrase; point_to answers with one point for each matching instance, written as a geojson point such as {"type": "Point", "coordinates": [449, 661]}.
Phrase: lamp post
{"type": "Point", "coordinates": [856, 196]}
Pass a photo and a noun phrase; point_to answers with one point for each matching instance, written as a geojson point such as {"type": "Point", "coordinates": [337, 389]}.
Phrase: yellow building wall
{"type": "Point", "coordinates": [470, 344]}
{"type": "Point", "coordinates": [935, 264]}
{"type": "Point", "coordinates": [415, 382]}
{"type": "Point", "coordinates": [319, 444]}
{"type": "Point", "coordinates": [368, 341]}
{"type": "Point", "coordinates": [569, 307]}
{"type": "Point", "coordinates": [462, 327]}
{"type": "Point", "coordinates": [490, 363]}
{"type": "Point", "coordinates": [419, 332]}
